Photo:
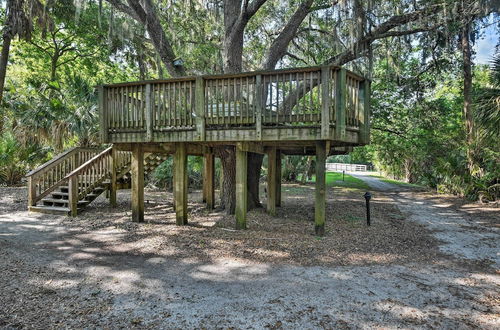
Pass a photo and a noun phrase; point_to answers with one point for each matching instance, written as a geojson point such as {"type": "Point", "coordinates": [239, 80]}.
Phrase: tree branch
{"type": "Point", "coordinates": [124, 9]}
{"type": "Point", "coordinates": [279, 46]}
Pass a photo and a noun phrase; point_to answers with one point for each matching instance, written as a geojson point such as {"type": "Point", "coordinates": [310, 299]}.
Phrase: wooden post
{"type": "Point", "coordinates": [278, 178]}
{"type": "Point", "coordinates": [137, 169]}
{"type": "Point", "coordinates": [31, 191]}
{"type": "Point", "coordinates": [200, 108]}
{"type": "Point", "coordinates": [103, 121]}
{"type": "Point", "coordinates": [113, 184]}
{"type": "Point", "coordinates": [325, 102]}
{"type": "Point", "coordinates": [149, 112]}
{"type": "Point", "coordinates": [241, 188]}
{"type": "Point", "coordinates": [271, 181]}
{"type": "Point", "coordinates": [258, 107]}
{"type": "Point", "coordinates": [208, 180]}
{"type": "Point", "coordinates": [320, 191]}
{"type": "Point", "coordinates": [364, 103]}
{"type": "Point", "coordinates": [73, 195]}
{"type": "Point", "coordinates": [180, 184]}
{"type": "Point", "coordinates": [340, 105]}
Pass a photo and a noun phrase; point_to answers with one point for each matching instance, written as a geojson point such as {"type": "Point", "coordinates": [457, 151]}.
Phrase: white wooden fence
{"type": "Point", "coordinates": [346, 167]}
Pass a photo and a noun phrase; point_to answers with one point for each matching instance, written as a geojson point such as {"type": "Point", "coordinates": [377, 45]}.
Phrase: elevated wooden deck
{"type": "Point", "coordinates": [280, 107]}
{"type": "Point", "coordinates": [316, 111]}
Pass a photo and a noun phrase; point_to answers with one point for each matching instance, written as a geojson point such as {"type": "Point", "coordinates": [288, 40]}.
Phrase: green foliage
{"type": "Point", "coordinates": [16, 161]}
{"type": "Point", "coordinates": [162, 175]}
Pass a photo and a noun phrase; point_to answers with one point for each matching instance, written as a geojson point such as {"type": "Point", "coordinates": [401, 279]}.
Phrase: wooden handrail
{"type": "Point", "coordinates": [47, 177]}
{"type": "Point", "coordinates": [231, 75]}
{"type": "Point", "coordinates": [330, 97]}
{"type": "Point", "coordinates": [89, 162]}
{"type": "Point", "coordinates": [53, 161]}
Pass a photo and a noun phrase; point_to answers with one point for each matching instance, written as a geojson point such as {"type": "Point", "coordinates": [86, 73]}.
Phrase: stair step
{"type": "Point", "coordinates": [62, 201]}
{"type": "Point", "coordinates": [59, 193]}
{"type": "Point", "coordinates": [50, 209]}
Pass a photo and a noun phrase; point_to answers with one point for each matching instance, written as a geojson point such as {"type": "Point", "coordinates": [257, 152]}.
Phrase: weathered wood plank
{"type": "Point", "coordinates": [258, 107]}
{"type": "Point", "coordinates": [73, 195]}
{"type": "Point", "coordinates": [103, 111]}
{"type": "Point", "coordinates": [278, 177]}
{"type": "Point", "coordinates": [200, 108]}
{"type": "Point", "coordinates": [149, 103]}
{"type": "Point", "coordinates": [137, 170]}
{"type": "Point", "coordinates": [325, 102]}
{"type": "Point", "coordinates": [364, 103]}
{"type": "Point", "coordinates": [180, 184]}
{"type": "Point", "coordinates": [271, 181]}
{"type": "Point", "coordinates": [241, 188]}
{"type": "Point", "coordinates": [113, 184]}
{"type": "Point", "coordinates": [320, 189]}
{"type": "Point", "coordinates": [340, 105]}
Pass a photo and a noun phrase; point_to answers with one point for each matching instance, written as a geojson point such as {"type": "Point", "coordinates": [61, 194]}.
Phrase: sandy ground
{"type": "Point", "coordinates": [423, 263]}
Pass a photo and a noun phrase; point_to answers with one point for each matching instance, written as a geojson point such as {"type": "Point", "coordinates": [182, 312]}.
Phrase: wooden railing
{"type": "Point", "coordinates": [88, 176]}
{"type": "Point", "coordinates": [43, 180]}
{"type": "Point", "coordinates": [326, 96]}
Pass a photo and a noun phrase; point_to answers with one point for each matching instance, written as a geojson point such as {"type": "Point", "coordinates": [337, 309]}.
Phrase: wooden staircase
{"type": "Point", "coordinates": [74, 179]}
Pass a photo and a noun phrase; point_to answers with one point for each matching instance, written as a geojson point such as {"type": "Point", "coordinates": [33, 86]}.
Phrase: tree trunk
{"type": "Point", "coordinates": [4, 57]}
{"type": "Point", "coordinates": [8, 34]}
{"type": "Point", "coordinates": [227, 155]}
{"type": "Point", "coordinates": [467, 109]}
{"type": "Point", "coordinates": [253, 179]}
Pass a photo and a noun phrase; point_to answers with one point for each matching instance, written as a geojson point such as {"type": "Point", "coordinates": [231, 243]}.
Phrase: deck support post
{"type": "Point", "coordinates": [137, 170]}
{"type": "Point", "coordinates": [103, 115]}
{"type": "Point", "coordinates": [271, 181]}
{"type": "Point", "coordinates": [320, 190]}
{"type": "Point", "coordinates": [364, 102]}
{"type": "Point", "coordinates": [31, 191]}
{"type": "Point", "coordinates": [113, 184]}
{"type": "Point", "coordinates": [278, 178]}
{"type": "Point", "coordinates": [73, 195]}
{"type": "Point", "coordinates": [180, 184]}
{"type": "Point", "coordinates": [241, 187]}
{"type": "Point", "coordinates": [200, 108]}
{"type": "Point", "coordinates": [208, 180]}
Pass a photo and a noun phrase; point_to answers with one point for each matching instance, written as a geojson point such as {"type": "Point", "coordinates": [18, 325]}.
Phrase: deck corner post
{"type": "Point", "coordinates": [31, 191]}
{"type": "Point", "coordinates": [259, 104]}
{"type": "Point", "coordinates": [73, 195]}
{"type": "Point", "coordinates": [364, 102]}
{"type": "Point", "coordinates": [325, 101]}
{"type": "Point", "coordinates": [137, 170]}
{"type": "Point", "coordinates": [103, 118]}
{"type": "Point", "coordinates": [200, 108]}
{"type": "Point", "coordinates": [180, 184]}
{"type": "Point", "coordinates": [271, 181]}
{"type": "Point", "coordinates": [320, 189]}
{"type": "Point", "coordinates": [241, 187]}
{"type": "Point", "coordinates": [208, 180]}
{"type": "Point", "coordinates": [340, 105]}
{"type": "Point", "coordinates": [113, 184]}
{"type": "Point", "coordinates": [149, 112]}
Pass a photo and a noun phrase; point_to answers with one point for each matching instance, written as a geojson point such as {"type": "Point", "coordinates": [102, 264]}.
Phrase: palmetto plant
{"type": "Point", "coordinates": [488, 103]}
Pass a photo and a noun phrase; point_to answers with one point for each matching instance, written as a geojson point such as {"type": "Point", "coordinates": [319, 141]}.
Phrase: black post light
{"type": "Point", "coordinates": [367, 196]}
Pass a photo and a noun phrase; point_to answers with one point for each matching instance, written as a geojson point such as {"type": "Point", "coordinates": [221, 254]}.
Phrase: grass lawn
{"type": "Point", "coordinates": [334, 179]}
{"type": "Point", "coordinates": [396, 182]}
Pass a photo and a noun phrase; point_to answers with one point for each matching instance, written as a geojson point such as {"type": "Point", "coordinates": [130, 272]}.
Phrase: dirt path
{"type": "Point", "coordinates": [57, 274]}
{"type": "Point", "coordinates": [460, 235]}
